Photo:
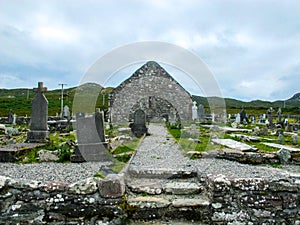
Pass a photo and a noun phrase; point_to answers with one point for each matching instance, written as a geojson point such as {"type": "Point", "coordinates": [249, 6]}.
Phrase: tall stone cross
{"type": "Point", "coordinates": [40, 88]}
{"type": "Point", "coordinates": [39, 116]}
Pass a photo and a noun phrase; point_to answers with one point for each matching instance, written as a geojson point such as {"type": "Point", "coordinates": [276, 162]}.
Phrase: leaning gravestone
{"type": "Point", "coordinates": [91, 139]}
{"type": "Point", "coordinates": [138, 127]}
{"type": "Point", "coordinates": [39, 116]}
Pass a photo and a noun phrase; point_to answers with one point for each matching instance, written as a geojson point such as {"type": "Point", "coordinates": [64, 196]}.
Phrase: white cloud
{"type": "Point", "coordinates": [246, 44]}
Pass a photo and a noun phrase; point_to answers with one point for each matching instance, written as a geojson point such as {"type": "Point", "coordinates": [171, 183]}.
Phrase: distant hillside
{"type": "Point", "coordinates": [289, 106]}
{"type": "Point", "coordinates": [19, 100]}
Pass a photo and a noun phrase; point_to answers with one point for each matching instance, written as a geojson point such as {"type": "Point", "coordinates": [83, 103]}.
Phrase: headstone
{"type": "Point", "coordinates": [14, 119]}
{"type": "Point", "coordinates": [194, 111]}
{"type": "Point", "coordinates": [39, 116]}
{"type": "Point", "coordinates": [138, 127]}
{"type": "Point", "coordinates": [295, 139]}
{"type": "Point", "coordinates": [238, 118]}
{"type": "Point", "coordinates": [201, 112]}
{"type": "Point", "coordinates": [243, 115]}
{"type": "Point", "coordinates": [10, 117]}
{"type": "Point", "coordinates": [66, 112]}
{"type": "Point", "coordinates": [91, 138]}
{"type": "Point", "coordinates": [270, 116]}
{"type": "Point", "coordinates": [213, 117]}
{"type": "Point", "coordinates": [279, 115]}
{"type": "Point", "coordinates": [280, 139]}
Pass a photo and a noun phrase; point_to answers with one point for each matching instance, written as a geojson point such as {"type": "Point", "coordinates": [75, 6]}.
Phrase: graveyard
{"type": "Point", "coordinates": [161, 156]}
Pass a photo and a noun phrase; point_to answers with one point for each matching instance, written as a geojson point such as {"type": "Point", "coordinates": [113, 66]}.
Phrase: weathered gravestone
{"type": "Point", "coordinates": [201, 112]}
{"type": "Point", "coordinates": [66, 113]}
{"type": "Point", "coordinates": [39, 116]}
{"type": "Point", "coordinates": [10, 117]}
{"type": "Point", "coordinates": [243, 115]}
{"type": "Point", "coordinates": [91, 139]}
{"type": "Point", "coordinates": [138, 127]}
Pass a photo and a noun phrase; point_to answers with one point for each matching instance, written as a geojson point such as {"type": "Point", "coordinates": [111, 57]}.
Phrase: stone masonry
{"type": "Point", "coordinates": [151, 80]}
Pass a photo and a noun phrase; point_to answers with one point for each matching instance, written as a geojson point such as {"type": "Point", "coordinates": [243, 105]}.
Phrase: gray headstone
{"type": "Point", "coordinates": [201, 112]}
{"type": "Point", "coordinates": [66, 112]}
{"type": "Point", "coordinates": [280, 139]}
{"type": "Point", "coordinates": [39, 116]}
{"type": "Point", "coordinates": [139, 125]}
{"type": "Point", "coordinates": [295, 139]}
{"type": "Point", "coordinates": [10, 116]}
{"type": "Point", "coordinates": [90, 138]}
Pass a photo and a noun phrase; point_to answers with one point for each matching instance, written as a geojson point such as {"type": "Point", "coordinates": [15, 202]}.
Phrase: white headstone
{"type": "Point", "coordinates": [14, 119]}
{"type": "Point", "coordinates": [238, 118]}
{"type": "Point", "coordinates": [194, 111]}
{"type": "Point", "coordinates": [213, 117]}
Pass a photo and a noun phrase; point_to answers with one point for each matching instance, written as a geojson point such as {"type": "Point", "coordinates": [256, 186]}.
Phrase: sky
{"type": "Point", "coordinates": [251, 47]}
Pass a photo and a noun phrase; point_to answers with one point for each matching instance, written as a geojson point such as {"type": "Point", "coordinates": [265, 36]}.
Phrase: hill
{"type": "Point", "coordinates": [19, 100]}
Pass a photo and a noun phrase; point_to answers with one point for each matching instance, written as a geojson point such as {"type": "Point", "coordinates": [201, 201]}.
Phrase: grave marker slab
{"type": "Point", "coordinates": [91, 138]}
{"type": "Point", "coordinates": [39, 116]}
{"type": "Point", "coordinates": [138, 127]}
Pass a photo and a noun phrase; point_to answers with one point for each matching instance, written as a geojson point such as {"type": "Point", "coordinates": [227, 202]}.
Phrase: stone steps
{"type": "Point", "coordinates": [159, 186]}
{"type": "Point", "coordinates": [162, 173]}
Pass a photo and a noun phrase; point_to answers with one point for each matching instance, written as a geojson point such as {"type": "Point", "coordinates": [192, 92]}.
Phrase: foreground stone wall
{"type": "Point", "coordinates": [231, 201]}
{"type": "Point", "coordinates": [254, 201]}
{"type": "Point", "coordinates": [150, 80]}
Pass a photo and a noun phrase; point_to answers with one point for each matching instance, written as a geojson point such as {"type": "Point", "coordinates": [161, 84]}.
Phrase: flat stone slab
{"type": "Point", "coordinates": [148, 202]}
{"type": "Point", "coordinates": [20, 146]}
{"type": "Point", "coordinates": [279, 146]}
{"type": "Point", "coordinates": [181, 188]}
{"type": "Point", "coordinates": [11, 152]}
{"type": "Point", "coordinates": [232, 144]}
{"type": "Point", "coordinates": [190, 202]}
{"type": "Point", "coordinates": [149, 186]}
{"type": "Point", "coordinates": [227, 129]}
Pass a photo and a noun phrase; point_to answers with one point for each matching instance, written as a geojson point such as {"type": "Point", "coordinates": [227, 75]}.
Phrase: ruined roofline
{"type": "Point", "coordinates": [145, 70]}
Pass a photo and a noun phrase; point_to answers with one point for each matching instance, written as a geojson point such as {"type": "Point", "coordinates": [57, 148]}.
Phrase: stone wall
{"type": "Point", "coordinates": [150, 80]}
{"type": "Point", "coordinates": [231, 201]}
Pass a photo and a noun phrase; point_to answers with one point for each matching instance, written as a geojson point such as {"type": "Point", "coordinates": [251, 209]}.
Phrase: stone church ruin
{"type": "Point", "coordinates": [153, 90]}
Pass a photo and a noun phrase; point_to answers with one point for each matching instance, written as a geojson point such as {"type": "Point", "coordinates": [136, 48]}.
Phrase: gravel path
{"type": "Point", "coordinates": [159, 151]}
{"type": "Point", "coordinates": [68, 173]}
{"type": "Point", "coordinates": [156, 151]}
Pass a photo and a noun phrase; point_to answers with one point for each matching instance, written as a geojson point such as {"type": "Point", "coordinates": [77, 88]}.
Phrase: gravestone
{"type": "Point", "coordinates": [243, 115]}
{"type": "Point", "coordinates": [91, 139]}
{"type": "Point", "coordinates": [270, 116]}
{"type": "Point", "coordinates": [295, 139]}
{"type": "Point", "coordinates": [213, 117]}
{"type": "Point", "coordinates": [238, 118]}
{"type": "Point", "coordinates": [138, 127]}
{"type": "Point", "coordinates": [10, 117]}
{"type": "Point", "coordinates": [279, 115]}
{"type": "Point", "coordinates": [66, 113]}
{"type": "Point", "coordinates": [201, 112]}
{"type": "Point", "coordinates": [14, 119]}
{"type": "Point", "coordinates": [194, 111]}
{"type": "Point", "coordinates": [39, 116]}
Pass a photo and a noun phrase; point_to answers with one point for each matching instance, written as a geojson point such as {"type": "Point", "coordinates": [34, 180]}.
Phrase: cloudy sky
{"type": "Point", "coordinates": [251, 47]}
